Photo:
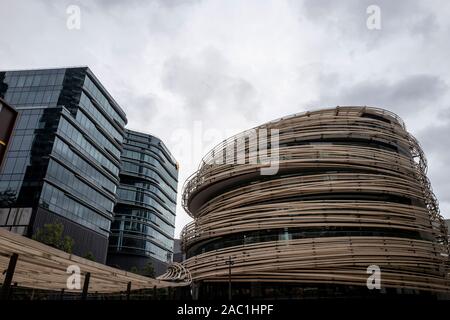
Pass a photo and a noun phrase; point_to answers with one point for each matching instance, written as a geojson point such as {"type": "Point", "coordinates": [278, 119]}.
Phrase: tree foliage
{"type": "Point", "coordinates": [52, 235]}
{"type": "Point", "coordinates": [148, 270]}
{"type": "Point", "coordinates": [90, 256]}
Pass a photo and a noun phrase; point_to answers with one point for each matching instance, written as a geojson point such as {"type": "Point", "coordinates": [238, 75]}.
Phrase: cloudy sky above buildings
{"type": "Point", "coordinates": [194, 72]}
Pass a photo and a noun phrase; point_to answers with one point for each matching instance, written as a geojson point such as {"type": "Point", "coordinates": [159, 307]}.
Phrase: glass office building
{"type": "Point", "coordinates": [64, 157]}
{"type": "Point", "coordinates": [144, 224]}
{"type": "Point", "coordinates": [8, 117]}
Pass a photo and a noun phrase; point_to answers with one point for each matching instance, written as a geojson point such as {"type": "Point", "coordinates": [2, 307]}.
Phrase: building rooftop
{"type": "Point", "coordinates": [93, 77]}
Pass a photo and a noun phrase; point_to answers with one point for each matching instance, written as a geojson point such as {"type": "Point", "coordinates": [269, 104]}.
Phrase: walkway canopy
{"type": "Point", "coordinates": [40, 266]}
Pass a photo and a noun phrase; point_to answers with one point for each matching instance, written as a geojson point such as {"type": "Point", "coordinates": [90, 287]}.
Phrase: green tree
{"type": "Point", "coordinates": [52, 235]}
{"type": "Point", "coordinates": [148, 270]}
{"type": "Point", "coordinates": [134, 269]}
{"type": "Point", "coordinates": [90, 256]}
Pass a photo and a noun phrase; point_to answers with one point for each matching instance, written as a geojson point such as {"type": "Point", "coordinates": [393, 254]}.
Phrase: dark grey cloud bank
{"type": "Point", "coordinates": [404, 96]}
{"type": "Point", "coordinates": [233, 64]}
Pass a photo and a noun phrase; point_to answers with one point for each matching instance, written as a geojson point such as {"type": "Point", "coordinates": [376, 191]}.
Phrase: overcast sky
{"type": "Point", "coordinates": [194, 72]}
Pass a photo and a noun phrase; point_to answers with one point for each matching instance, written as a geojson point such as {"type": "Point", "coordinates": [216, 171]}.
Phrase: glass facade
{"type": "Point", "coordinates": [64, 156]}
{"type": "Point", "coordinates": [8, 117]}
{"type": "Point", "coordinates": [144, 222]}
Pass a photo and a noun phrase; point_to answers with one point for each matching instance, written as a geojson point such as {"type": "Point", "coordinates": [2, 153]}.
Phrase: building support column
{"type": "Point", "coordinates": [6, 288]}
{"type": "Point", "coordinates": [86, 286]}
{"type": "Point", "coordinates": [128, 290]}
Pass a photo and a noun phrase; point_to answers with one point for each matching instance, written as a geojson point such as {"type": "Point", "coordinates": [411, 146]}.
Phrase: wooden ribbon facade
{"type": "Point", "coordinates": [351, 191]}
{"type": "Point", "coordinates": [39, 266]}
{"type": "Point", "coordinates": [176, 272]}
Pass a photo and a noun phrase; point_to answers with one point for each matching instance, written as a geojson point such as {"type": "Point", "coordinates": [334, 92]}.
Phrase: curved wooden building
{"type": "Point", "coordinates": [350, 192]}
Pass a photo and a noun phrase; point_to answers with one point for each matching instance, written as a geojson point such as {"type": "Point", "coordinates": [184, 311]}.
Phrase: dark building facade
{"type": "Point", "coordinates": [177, 252]}
{"type": "Point", "coordinates": [350, 195]}
{"type": "Point", "coordinates": [8, 117]}
{"type": "Point", "coordinates": [144, 224]}
{"type": "Point", "coordinates": [64, 157]}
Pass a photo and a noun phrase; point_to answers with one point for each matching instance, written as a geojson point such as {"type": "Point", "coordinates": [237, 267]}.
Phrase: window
{"type": "Point", "coordinates": [21, 81]}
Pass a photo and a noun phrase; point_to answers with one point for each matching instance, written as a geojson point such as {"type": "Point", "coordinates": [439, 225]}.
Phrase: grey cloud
{"type": "Point", "coordinates": [435, 143]}
{"type": "Point", "coordinates": [445, 114]}
{"type": "Point", "coordinates": [316, 9]}
{"type": "Point", "coordinates": [114, 4]}
{"type": "Point", "coordinates": [426, 26]}
{"type": "Point", "coordinates": [140, 109]}
{"type": "Point", "coordinates": [205, 85]}
{"type": "Point", "coordinates": [349, 18]}
{"type": "Point", "coordinates": [411, 94]}
{"type": "Point", "coordinates": [434, 139]}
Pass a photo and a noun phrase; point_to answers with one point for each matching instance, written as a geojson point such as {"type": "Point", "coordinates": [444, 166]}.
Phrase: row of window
{"type": "Point", "coordinates": [151, 141]}
{"type": "Point", "coordinates": [137, 228]}
{"type": "Point", "coordinates": [260, 236]}
{"type": "Point", "coordinates": [136, 144]}
{"type": "Point", "coordinates": [10, 183]}
{"type": "Point", "coordinates": [137, 137]}
{"type": "Point", "coordinates": [89, 172]}
{"type": "Point", "coordinates": [102, 100]}
{"type": "Point", "coordinates": [148, 173]}
{"type": "Point", "coordinates": [139, 246]}
{"type": "Point", "coordinates": [18, 156]}
{"type": "Point", "coordinates": [15, 216]}
{"type": "Point", "coordinates": [18, 153]}
{"type": "Point", "coordinates": [16, 165]}
{"type": "Point", "coordinates": [55, 200]}
{"type": "Point", "coordinates": [28, 120]}
{"type": "Point", "coordinates": [71, 133]}
{"type": "Point", "coordinates": [87, 104]}
{"type": "Point", "coordinates": [143, 168]}
{"type": "Point", "coordinates": [95, 134]}
{"type": "Point", "coordinates": [33, 97]}
{"type": "Point", "coordinates": [171, 196]}
{"type": "Point", "coordinates": [154, 189]}
{"type": "Point", "coordinates": [150, 146]}
{"type": "Point", "coordinates": [152, 160]}
{"type": "Point", "coordinates": [145, 200]}
{"type": "Point", "coordinates": [44, 79]}
{"type": "Point", "coordinates": [21, 142]}
{"type": "Point", "coordinates": [81, 189]}
{"type": "Point", "coordinates": [145, 216]}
